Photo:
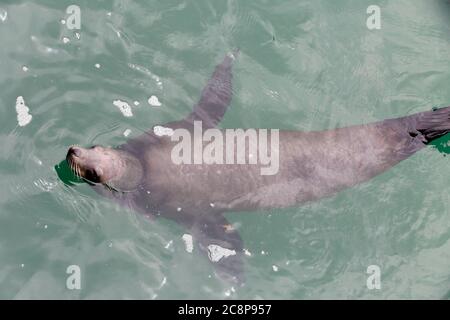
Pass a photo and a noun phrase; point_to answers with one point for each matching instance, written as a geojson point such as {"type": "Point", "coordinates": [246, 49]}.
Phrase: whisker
{"type": "Point", "coordinates": [73, 167]}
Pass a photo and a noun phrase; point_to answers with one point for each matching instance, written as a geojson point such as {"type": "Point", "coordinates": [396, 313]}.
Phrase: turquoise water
{"type": "Point", "coordinates": [304, 65]}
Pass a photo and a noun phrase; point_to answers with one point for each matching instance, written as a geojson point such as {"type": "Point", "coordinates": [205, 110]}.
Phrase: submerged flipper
{"type": "Point", "coordinates": [431, 124]}
{"type": "Point", "coordinates": [215, 237]}
{"type": "Point", "coordinates": [215, 97]}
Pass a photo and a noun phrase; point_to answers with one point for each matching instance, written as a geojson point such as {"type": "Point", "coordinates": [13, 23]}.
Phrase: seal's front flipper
{"type": "Point", "coordinates": [216, 238]}
{"type": "Point", "coordinates": [215, 97]}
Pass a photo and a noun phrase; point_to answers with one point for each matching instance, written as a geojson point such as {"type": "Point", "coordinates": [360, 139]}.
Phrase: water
{"type": "Point", "coordinates": [303, 65]}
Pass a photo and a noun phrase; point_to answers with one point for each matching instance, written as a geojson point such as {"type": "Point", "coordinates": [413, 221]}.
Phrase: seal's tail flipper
{"type": "Point", "coordinates": [217, 239]}
{"type": "Point", "coordinates": [432, 124]}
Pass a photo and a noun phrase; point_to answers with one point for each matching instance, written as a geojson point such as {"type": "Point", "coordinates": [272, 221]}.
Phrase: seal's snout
{"type": "Point", "coordinates": [74, 152]}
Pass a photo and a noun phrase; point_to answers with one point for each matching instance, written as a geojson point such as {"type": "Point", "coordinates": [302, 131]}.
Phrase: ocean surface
{"type": "Point", "coordinates": [304, 65]}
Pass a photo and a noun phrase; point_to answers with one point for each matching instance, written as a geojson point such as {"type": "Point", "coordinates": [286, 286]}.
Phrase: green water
{"type": "Point", "coordinates": [304, 65]}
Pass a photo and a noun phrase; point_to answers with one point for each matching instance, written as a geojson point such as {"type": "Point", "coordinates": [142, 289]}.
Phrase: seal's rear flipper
{"type": "Point", "coordinates": [432, 124]}
{"type": "Point", "coordinates": [222, 244]}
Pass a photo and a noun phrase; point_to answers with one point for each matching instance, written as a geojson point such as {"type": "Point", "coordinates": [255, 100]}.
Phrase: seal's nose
{"type": "Point", "coordinates": [74, 151]}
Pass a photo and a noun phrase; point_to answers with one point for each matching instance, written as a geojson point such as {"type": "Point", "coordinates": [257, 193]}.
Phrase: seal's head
{"type": "Point", "coordinates": [114, 168]}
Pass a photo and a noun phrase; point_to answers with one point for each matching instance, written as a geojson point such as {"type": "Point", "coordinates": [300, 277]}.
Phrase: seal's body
{"type": "Point", "coordinates": [141, 174]}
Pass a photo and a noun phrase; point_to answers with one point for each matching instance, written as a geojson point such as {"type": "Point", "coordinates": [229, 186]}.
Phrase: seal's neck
{"type": "Point", "coordinates": [129, 173]}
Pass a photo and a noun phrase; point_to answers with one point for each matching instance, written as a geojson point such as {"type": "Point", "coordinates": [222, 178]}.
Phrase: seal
{"type": "Point", "coordinates": [141, 175]}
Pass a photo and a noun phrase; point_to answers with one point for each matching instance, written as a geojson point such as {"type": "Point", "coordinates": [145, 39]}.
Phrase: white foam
{"type": "Point", "coordinates": [23, 117]}
{"type": "Point", "coordinates": [148, 72]}
{"type": "Point", "coordinates": [44, 185]}
{"type": "Point", "coordinates": [154, 101]}
{"type": "Point", "coordinates": [37, 160]}
{"type": "Point", "coordinates": [162, 131]}
{"type": "Point", "coordinates": [42, 48]}
{"type": "Point", "coordinates": [169, 244]}
{"type": "Point", "coordinates": [163, 282]}
{"type": "Point", "coordinates": [123, 107]}
{"type": "Point", "coordinates": [215, 252]}
{"type": "Point", "coordinates": [136, 103]}
{"type": "Point", "coordinates": [3, 15]}
{"type": "Point", "coordinates": [187, 238]}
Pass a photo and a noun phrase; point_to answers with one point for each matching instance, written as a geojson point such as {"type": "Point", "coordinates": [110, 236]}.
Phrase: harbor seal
{"type": "Point", "coordinates": [141, 174]}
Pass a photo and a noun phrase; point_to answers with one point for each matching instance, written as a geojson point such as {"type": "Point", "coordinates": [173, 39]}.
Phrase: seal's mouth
{"type": "Point", "coordinates": [83, 164]}
{"type": "Point", "coordinates": [72, 158]}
